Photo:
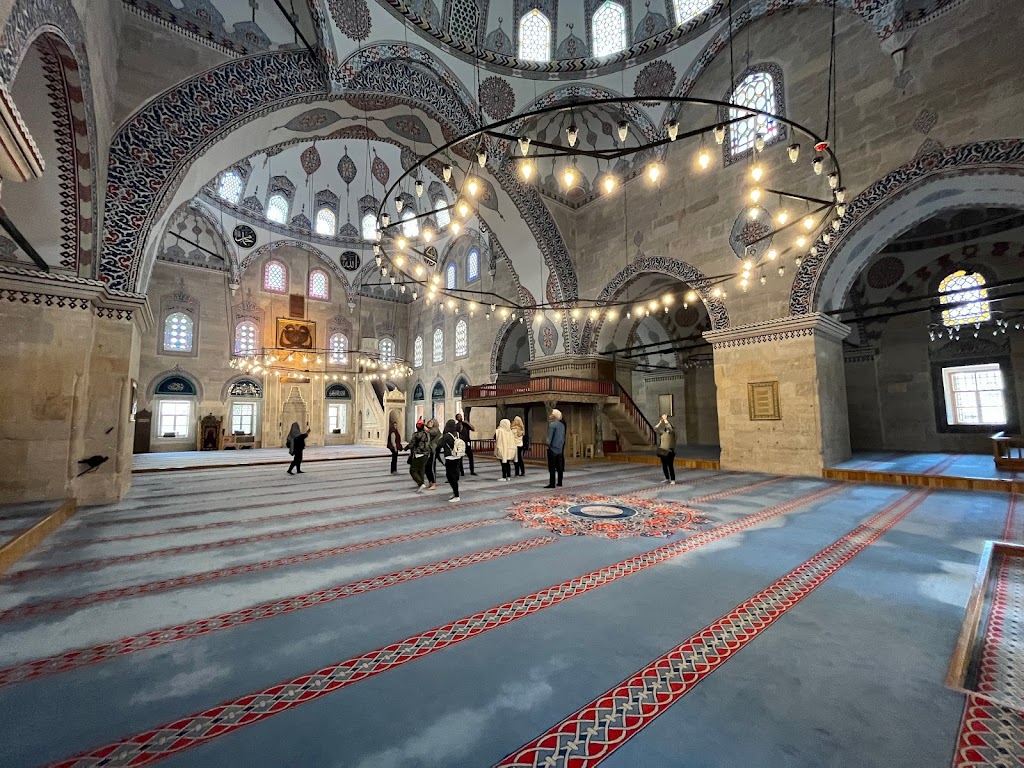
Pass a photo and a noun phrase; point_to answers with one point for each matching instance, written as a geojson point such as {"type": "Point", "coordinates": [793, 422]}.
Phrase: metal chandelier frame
{"type": "Point", "coordinates": [389, 231]}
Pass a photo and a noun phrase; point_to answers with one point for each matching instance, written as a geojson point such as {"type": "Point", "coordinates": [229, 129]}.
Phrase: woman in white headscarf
{"type": "Point", "coordinates": [505, 448]}
{"type": "Point", "coordinates": [296, 445]}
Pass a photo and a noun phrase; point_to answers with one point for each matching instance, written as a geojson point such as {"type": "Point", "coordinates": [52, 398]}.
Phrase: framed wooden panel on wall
{"type": "Point", "coordinates": [763, 400]}
{"type": "Point", "coordinates": [296, 334]}
{"type": "Point", "coordinates": [666, 405]}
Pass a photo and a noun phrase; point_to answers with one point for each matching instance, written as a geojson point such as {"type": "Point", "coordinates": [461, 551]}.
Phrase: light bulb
{"type": "Point", "coordinates": [653, 172]}
{"type": "Point", "coordinates": [399, 261]}
{"type": "Point", "coordinates": [801, 241]}
{"type": "Point", "coordinates": [757, 172]}
{"type": "Point", "coordinates": [568, 177]}
{"type": "Point", "coordinates": [773, 255]}
{"type": "Point", "coordinates": [385, 219]}
{"type": "Point", "coordinates": [456, 227]}
{"type": "Point", "coordinates": [612, 314]}
{"type": "Point", "coordinates": [447, 171]}
{"type": "Point", "coordinates": [753, 213]}
{"type": "Point", "coordinates": [594, 314]}
{"type": "Point", "coordinates": [436, 279]}
{"type": "Point", "coordinates": [743, 283]}
{"type": "Point", "coordinates": [673, 129]}
{"type": "Point", "coordinates": [419, 270]}
{"type": "Point", "coordinates": [571, 133]}
{"type": "Point", "coordinates": [623, 130]}
{"type": "Point", "coordinates": [782, 217]}
{"type": "Point", "coordinates": [557, 315]}
{"type": "Point", "coordinates": [841, 210]}
{"type": "Point", "coordinates": [399, 204]}
{"type": "Point", "coordinates": [481, 158]}
{"type": "Point", "coordinates": [808, 222]}
{"type": "Point", "coordinates": [463, 208]}
{"type": "Point", "coordinates": [473, 186]}
{"type": "Point", "coordinates": [608, 183]}
{"type": "Point", "coordinates": [764, 280]}
{"type": "Point", "coordinates": [716, 292]}
{"type": "Point", "coordinates": [704, 158]}
{"type": "Point", "coordinates": [719, 134]}
{"type": "Point", "coordinates": [836, 224]}
{"type": "Point", "coordinates": [826, 237]}
{"type": "Point", "coordinates": [817, 164]}
{"type": "Point", "coordinates": [794, 152]}
{"type": "Point", "coordinates": [691, 296]}
{"type": "Point", "coordinates": [379, 235]}
{"type": "Point", "coordinates": [376, 249]}
{"type": "Point", "coordinates": [526, 170]}
{"type": "Point", "coordinates": [833, 179]}
{"type": "Point", "coordinates": [401, 243]}
{"type": "Point", "coordinates": [782, 270]}
{"type": "Point", "coordinates": [428, 234]}
{"type": "Point", "coordinates": [667, 298]}
{"type": "Point", "coordinates": [755, 194]}
{"type": "Point", "coordinates": [748, 265]}
{"type": "Point", "coordinates": [524, 145]}
{"type": "Point", "coordinates": [419, 188]}
{"type": "Point", "coordinates": [759, 142]}
{"type": "Point", "coordinates": [841, 195]}
{"type": "Point", "coordinates": [797, 260]}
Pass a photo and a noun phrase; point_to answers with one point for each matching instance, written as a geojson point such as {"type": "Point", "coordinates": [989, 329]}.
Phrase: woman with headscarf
{"type": "Point", "coordinates": [451, 461]}
{"type": "Point", "coordinates": [394, 445]}
{"type": "Point", "coordinates": [434, 433]}
{"type": "Point", "coordinates": [419, 447]}
{"type": "Point", "coordinates": [296, 445]}
{"type": "Point", "coordinates": [667, 448]}
{"type": "Point", "coordinates": [519, 430]}
{"type": "Point", "coordinates": [505, 448]}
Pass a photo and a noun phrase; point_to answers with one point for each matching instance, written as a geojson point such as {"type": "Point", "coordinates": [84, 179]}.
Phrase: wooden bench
{"type": "Point", "coordinates": [1008, 451]}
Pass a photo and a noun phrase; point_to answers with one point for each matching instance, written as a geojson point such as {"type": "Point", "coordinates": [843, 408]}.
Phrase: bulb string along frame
{"type": "Point", "coordinates": [415, 270]}
{"type": "Point", "coordinates": [315, 364]}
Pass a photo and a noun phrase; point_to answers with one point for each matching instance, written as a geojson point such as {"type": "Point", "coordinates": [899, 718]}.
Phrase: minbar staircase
{"type": "Point", "coordinates": [635, 431]}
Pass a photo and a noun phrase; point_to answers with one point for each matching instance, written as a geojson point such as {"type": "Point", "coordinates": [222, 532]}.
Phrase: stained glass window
{"type": "Point", "coordinates": [417, 352]}
{"type": "Point", "coordinates": [473, 265]}
{"type": "Point", "coordinates": [451, 277]}
{"type": "Point", "coordinates": [974, 394]}
{"type": "Point", "coordinates": [461, 338]}
{"type": "Point", "coordinates": [410, 224]}
{"type": "Point", "coordinates": [535, 37]}
{"type": "Point", "coordinates": [961, 287]}
{"type": "Point", "coordinates": [339, 349]}
{"type": "Point", "coordinates": [231, 187]}
{"type": "Point", "coordinates": [386, 347]}
{"type": "Point", "coordinates": [687, 9]}
{"type": "Point", "coordinates": [275, 277]}
{"type": "Point", "coordinates": [277, 209]}
{"type": "Point", "coordinates": [438, 351]}
{"type": "Point", "coordinates": [245, 338]}
{"type": "Point", "coordinates": [326, 222]}
{"type": "Point", "coordinates": [757, 91]}
{"type": "Point", "coordinates": [609, 28]}
{"type": "Point", "coordinates": [319, 285]}
{"type": "Point", "coordinates": [443, 215]}
{"type": "Point", "coordinates": [369, 225]}
{"type": "Point", "coordinates": [178, 332]}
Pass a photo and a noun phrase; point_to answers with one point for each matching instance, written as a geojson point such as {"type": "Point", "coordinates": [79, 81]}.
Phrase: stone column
{"type": "Point", "coordinates": [800, 358]}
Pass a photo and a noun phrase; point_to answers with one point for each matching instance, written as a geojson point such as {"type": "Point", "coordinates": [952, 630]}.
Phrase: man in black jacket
{"type": "Point", "coordinates": [464, 428]}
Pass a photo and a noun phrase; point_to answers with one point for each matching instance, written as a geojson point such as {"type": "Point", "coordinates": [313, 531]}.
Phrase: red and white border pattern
{"type": "Point", "coordinates": [594, 732]}
{"type": "Point", "coordinates": [169, 739]}
{"type": "Point", "coordinates": [650, 517]}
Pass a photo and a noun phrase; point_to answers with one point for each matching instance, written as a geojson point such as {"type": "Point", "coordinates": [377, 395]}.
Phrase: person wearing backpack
{"type": "Point", "coordinates": [453, 448]}
{"type": "Point", "coordinates": [419, 448]}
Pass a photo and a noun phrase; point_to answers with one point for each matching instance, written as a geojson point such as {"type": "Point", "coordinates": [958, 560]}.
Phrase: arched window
{"type": "Point", "coordinates": [757, 91]}
{"type": "Point", "coordinates": [473, 265]}
{"type": "Point", "coordinates": [277, 209]}
{"type": "Point", "coordinates": [339, 349]}
{"type": "Point", "coordinates": [687, 9]}
{"type": "Point", "coordinates": [535, 36]}
{"type": "Point", "coordinates": [386, 347]}
{"type": "Point", "coordinates": [326, 222]}
{"type": "Point", "coordinates": [461, 338]}
{"type": "Point", "coordinates": [443, 215]}
{"type": "Point", "coordinates": [178, 332]}
{"type": "Point", "coordinates": [319, 285]}
{"type": "Point", "coordinates": [369, 226]}
{"type": "Point", "coordinates": [609, 29]}
{"type": "Point", "coordinates": [969, 292]}
{"type": "Point", "coordinates": [230, 187]}
{"type": "Point", "coordinates": [245, 338]}
{"type": "Point", "coordinates": [438, 351]}
{"type": "Point", "coordinates": [275, 277]}
{"type": "Point", "coordinates": [410, 224]}
{"type": "Point", "coordinates": [451, 277]}
{"type": "Point", "coordinates": [417, 352]}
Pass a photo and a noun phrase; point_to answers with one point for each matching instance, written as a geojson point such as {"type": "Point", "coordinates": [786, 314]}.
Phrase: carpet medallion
{"type": "Point", "coordinates": [611, 517]}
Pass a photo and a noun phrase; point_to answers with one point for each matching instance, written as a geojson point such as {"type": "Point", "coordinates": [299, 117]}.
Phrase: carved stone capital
{"type": "Point", "coordinates": [780, 329]}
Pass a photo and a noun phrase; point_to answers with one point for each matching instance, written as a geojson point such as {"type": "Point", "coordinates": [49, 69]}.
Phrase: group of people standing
{"type": "Point", "coordinates": [429, 445]}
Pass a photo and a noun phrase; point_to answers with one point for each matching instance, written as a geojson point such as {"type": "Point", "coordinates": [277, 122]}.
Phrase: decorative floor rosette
{"type": "Point", "coordinates": [613, 517]}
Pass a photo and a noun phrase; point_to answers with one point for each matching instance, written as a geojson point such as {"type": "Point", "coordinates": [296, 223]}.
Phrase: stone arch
{"type": "Point", "coordinates": [225, 391]}
{"type": "Point", "coordinates": [45, 64]}
{"type": "Point", "coordinates": [176, 371]}
{"type": "Point", "coordinates": [267, 248]}
{"type": "Point", "coordinates": [981, 173]}
{"type": "Point", "coordinates": [501, 340]}
{"type": "Point", "coordinates": [673, 267]}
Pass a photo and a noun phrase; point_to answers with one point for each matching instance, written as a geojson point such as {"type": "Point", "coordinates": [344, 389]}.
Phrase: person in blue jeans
{"type": "Point", "coordinates": [556, 449]}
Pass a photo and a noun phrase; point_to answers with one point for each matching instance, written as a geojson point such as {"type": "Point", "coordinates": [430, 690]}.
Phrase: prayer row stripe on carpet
{"type": "Point", "coordinates": [192, 579]}
{"type": "Point", "coordinates": [172, 738]}
{"type": "Point", "coordinates": [81, 657]}
{"type": "Point", "coordinates": [597, 730]}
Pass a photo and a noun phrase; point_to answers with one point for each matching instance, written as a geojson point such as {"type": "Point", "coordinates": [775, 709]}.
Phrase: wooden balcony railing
{"type": "Point", "coordinates": [553, 384]}
{"type": "Point", "coordinates": [538, 451]}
